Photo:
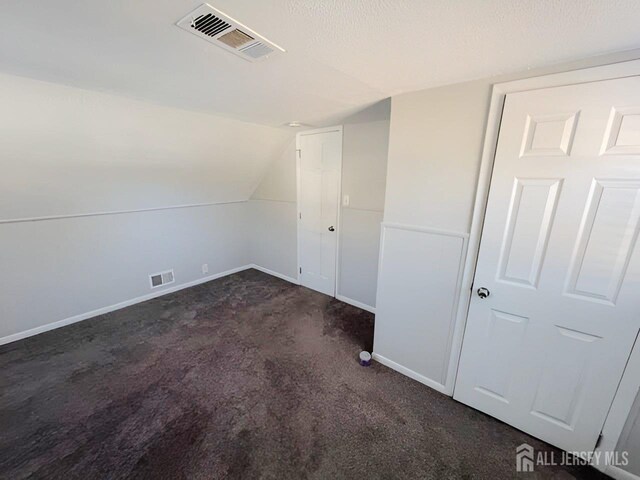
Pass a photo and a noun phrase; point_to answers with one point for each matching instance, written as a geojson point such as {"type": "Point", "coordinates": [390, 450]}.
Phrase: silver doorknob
{"type": "Point", "coordinates": [483, 292]}
{"type": "Point", "coordinates": [331, 229]}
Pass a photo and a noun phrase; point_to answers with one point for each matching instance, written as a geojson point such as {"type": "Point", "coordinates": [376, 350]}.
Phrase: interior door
{"type": "Point", "coordinates": [320, 162]}
{"type": "Point", "coordinates": [556, 303]}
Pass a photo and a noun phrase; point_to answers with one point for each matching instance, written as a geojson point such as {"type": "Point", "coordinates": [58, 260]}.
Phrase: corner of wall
{"type": "Point", "coordinates": [268, 184]}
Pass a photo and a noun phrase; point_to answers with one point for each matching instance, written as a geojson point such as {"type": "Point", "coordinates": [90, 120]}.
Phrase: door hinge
{"type": "Point", "coordinates": [300, 269]}
{"type": "Point", "coordinates": [299, 152]}
{"type": "Point", "coordinates": [300, 215]}
{"type": "Point", "coordinates": [599, 441]}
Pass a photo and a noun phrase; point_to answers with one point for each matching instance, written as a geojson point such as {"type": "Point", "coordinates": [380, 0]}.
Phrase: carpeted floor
{"type": "Point", "coordinates": [247, 376]}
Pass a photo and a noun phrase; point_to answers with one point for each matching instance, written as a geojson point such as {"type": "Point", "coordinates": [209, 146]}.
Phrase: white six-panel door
{"type": "Point", "coordinates": [545, 350]}
{"type": "Point", "coordinates": [319, 172]}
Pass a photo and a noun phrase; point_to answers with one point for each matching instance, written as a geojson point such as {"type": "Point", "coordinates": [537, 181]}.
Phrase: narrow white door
{"type": "Point", "coordinates": [320, 162]}
{"type": "Point", "coordinates": [558, 263]}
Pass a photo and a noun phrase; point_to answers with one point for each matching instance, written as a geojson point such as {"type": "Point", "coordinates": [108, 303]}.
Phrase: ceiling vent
{"type": "Point", "coordinates": [214, 26]}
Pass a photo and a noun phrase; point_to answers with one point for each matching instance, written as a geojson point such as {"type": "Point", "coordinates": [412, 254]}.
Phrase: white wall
{"type": "Point", "coordinates": [364, 171]}
{"type": "Point", "coordinates": [91, 183]}
{"type": "Point", "coordinates": [77, 169]}
{"type": "Point", "coordinates": [359, 252]}
{"type": "Point", "coordinates": [273, 217]}
{"type": "Point", "coordinates": [435, 147]}
{"type": "Point", "coordinates": [621, 431]}
{"type": "Point", "coordinates": [279, 181]}
{"type": "Point", "coordinates": [364, 164]}
{"type": "Point", "coordinates": [68, 151]}
{"type": "Point", "coordinates": [414, 318]}
{"type": "Point", "coordinates": [58, 269]}
{"type": "Point", "coordinates": [630, 438]}
{"type": "Point", "coordinates": [434, 154]}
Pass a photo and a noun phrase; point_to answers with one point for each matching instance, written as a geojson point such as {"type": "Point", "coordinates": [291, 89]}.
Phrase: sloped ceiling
{"type": "Point", "coordinates": [67, 151]}
{"type": "Point", "coordinates": [341, 55]}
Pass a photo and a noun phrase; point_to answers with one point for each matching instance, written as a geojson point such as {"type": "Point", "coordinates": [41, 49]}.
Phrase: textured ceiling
{"type": "Point", "coordinates": [341, 55]}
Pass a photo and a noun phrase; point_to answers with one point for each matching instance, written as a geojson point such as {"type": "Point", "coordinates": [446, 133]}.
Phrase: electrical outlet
{"type": "Point", "coordinates": [345, 201]}
{"type": "Point", "coordinates": [205, 268]}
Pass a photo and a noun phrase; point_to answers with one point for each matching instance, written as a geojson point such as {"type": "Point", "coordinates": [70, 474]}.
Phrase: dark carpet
{"type": "Point", "coordinates": [247, 376]}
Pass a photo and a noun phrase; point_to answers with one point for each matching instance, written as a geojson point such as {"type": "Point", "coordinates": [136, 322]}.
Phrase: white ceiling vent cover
{"type": "Point", "coordinates": [214, 26]}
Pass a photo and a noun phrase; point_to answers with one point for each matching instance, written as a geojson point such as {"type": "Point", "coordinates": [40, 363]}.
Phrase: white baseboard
{"type": "Point", "coordinates": [355, 303]}
{"type": "Point", "coordinates": [127, 303]}
{"type": "Point", "coordinates": [342, 298]}
{"type": "Point", "coordinates": [411, 374]}
{"type": "Point", "coordinates": [275, 274]}
{"type": "Point", "coordinates": [101, 311]}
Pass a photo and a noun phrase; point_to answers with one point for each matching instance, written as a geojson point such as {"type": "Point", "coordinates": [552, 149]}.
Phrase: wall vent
{"type": "Point", "coordinates": [162, 278]}
{"type": "Point", "coordinates": [215, 27]}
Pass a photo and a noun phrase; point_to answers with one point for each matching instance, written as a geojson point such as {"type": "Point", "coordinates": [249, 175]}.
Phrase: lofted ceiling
{"type": "Point", "coordinates": [342, 55]}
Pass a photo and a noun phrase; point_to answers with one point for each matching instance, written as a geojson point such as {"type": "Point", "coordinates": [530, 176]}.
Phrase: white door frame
{"type": "Point", "coordinates": [336, 128]}
{"type": "Point", "coordinates": [498, 94]}
{"type": "Point", "coordinates": [618, 415]}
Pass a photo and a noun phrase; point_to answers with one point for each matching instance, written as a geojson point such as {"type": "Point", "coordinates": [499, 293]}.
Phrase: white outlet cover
{"type": "Point", "coordinates": [205, 268]}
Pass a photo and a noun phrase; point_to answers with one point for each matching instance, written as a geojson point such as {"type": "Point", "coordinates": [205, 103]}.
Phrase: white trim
{"type": "Point", "coordinates": [450, 366]}
{"type": "Point", "coordinates": [621, 408]}
{"type": "Point", "coordinates": [498, 95]}
{"type": "Point", "coordinates": [409, 373]}
{"type": "Point", "coordinates": [315, 131]}
{"type": "Point", "coordinates": [275, 274]}
{"type": "Point", "coordinates": [356, 303]}
{"type": "Point", "coordinates": [117, 306]}
{"type": "Point", "coordinates": [336, 284]}
{"type": "Point", "coordinates": [417, 228]}
{"type": "Point", "coordinates": [127, 303]}
{"type": "Point", "coordinates": [627, 68]}
{"type": "Point", "coordinates": [337, 128]}
{"type": "Point", "coordinates": [298, 209]}
{"type": "Point", "coordinates": [271, 200]}
{"type": "Point", "coordinates": [342, 298]}
{"type": "Point", "coordinates": [114, 212]}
